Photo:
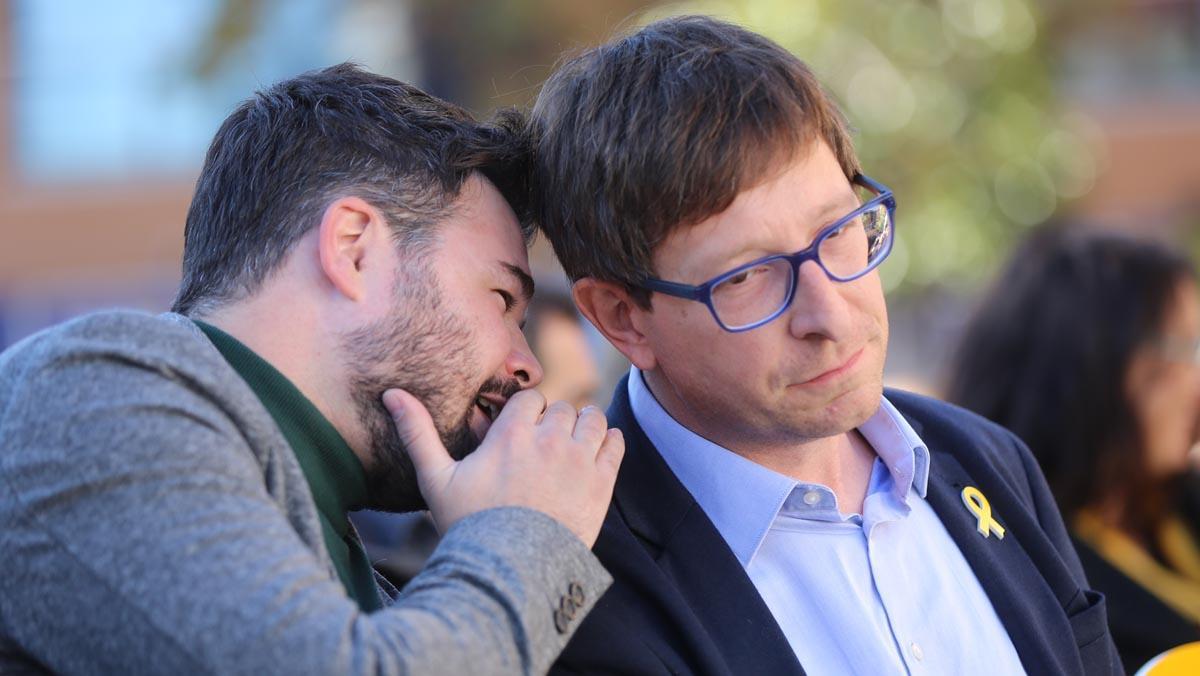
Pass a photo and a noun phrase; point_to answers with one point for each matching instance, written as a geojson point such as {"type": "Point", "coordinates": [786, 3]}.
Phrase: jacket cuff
{"type": "Point", "coordinates": [552, 576]}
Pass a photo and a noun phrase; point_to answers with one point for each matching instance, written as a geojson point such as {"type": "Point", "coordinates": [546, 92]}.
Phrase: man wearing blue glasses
{"type": "Point", "coordinates": [777, 511]}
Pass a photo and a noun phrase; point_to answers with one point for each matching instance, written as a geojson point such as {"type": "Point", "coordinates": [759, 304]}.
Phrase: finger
{"type": "Point", "coordinates": [559, 416]}
{"type": "Point", "coordinates": [523, 407]}
{"type": "Point", "coordinates": [608, 458]}
{"type": "Point", "coordinates": [417, 432]}
{"type": "Point", "coordinates": [591, 426]}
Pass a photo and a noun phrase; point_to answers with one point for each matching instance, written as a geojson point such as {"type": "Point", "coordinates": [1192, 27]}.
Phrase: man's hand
{"type": "Point", "coordinates": [551, 459]}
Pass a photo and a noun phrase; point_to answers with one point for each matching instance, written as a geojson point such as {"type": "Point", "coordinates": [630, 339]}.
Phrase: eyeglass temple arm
{"type": "Point", "coordinates": [674, 289]}
{"type": "Point", "coordinates": [871, 183]}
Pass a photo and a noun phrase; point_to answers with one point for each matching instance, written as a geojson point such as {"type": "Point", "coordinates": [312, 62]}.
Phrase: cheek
{"type": "Point", "coordinates": [490, 342]}
{"type": "Point", "coordinates": [478, 334]}
{"type": "Point", "coordinates": [1169, 413]}
{"type": "Point", "coordinates": [1186, 401]}
{"type": "Point", "coordinates": [498, 339]}
{"type": "Point", "coordinates": [867, 297]}
{"type": "Point", "coordinates": [699, 351]}
{"type": "Point", "coordinates": [684, 330]}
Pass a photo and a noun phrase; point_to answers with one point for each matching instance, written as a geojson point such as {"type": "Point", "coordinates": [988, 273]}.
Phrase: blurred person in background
{"type": "Point", "coordinates": [777, 511]}
{"type": "Point", "coordinates": [556, 335]}
{"type": "Point", "coordinates": [174, 488]}
{"type": "Point", "coordinates": [1086, 347]}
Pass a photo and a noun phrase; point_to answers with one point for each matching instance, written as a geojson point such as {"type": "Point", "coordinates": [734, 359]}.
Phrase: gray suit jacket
{"type": "Point", "coordinates": [154, 520]}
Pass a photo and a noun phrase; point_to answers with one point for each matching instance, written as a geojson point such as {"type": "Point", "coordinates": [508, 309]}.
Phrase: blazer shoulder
{"type": "Point", "coordinates": [935, 417]}
{"type": "Point", "coordinates": [115, 371]}
{"type": "Point", "coordinates": [928, 410]}
{"type": "Point", "coordinates": [123, 335]}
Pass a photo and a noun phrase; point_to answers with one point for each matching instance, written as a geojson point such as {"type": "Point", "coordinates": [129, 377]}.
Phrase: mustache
{"type": "Point", "coordinates": [503, 387]}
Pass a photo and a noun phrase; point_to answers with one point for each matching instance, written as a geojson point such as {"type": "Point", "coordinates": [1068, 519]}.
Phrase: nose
{"type": "Point", "coordinates": [819, 308]}
{"type": "Point", "coordinates": [521, 364]}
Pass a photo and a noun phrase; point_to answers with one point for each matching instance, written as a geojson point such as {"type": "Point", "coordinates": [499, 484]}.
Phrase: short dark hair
{"type": "Point", "coordinates": [286, 153]}
{"type": "Point", "coordinates": [662, 129]}
{"type": "Point", "coordinates": [1047, 353]}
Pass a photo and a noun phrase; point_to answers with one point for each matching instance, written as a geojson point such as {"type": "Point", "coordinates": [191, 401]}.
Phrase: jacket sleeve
{"type": "Point", "coordinates": [138, 536]}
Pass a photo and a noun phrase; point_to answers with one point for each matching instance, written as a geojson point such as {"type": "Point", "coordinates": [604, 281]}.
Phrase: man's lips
{"type": "Point", "coordinates": [489, 401]}
{"type": "Point", "coordinates": [836, 372]}
{"type": "Point", "coordinates": [480, 423]}
{"type": "Point", "coordinates": [490, 405]}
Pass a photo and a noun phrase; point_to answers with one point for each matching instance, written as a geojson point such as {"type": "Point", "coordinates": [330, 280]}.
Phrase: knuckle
{"type": "Point", "coordinates": [592, 417]}
{"type": "Point", "coordinates": [528, 397]}
{"type": "Point", "coordinates": [561, 407]}
{"type": "Point", "coordinates": [593, 412]}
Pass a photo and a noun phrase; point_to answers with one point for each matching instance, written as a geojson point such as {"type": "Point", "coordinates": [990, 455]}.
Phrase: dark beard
{"type": "Point", "coordinates": [423, 349]}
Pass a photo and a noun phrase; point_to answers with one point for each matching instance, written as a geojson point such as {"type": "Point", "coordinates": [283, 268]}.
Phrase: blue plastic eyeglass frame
{"type": "Point", "coordinates": [702, 293]}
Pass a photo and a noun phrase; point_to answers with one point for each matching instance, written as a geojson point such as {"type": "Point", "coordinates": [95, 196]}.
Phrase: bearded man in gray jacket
{"type": "Point", "coordinates": [174, 488]}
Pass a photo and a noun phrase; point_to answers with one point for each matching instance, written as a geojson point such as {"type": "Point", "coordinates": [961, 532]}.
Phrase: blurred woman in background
{"type": "Point", "coordinates": [1087, 349]}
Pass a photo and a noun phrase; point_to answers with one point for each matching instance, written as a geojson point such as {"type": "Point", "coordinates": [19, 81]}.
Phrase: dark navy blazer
{"type": "Point", "coordinates": [682, 603]}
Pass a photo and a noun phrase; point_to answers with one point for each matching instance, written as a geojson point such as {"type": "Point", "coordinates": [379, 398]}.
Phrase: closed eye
{"type": "Point", "coordinates": [510, 301]}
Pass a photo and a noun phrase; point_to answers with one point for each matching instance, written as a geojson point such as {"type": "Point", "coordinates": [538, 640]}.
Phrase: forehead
{"type": "Point", "coordinates": [779, 215]}
{"type": "Point", "coordinates": [482, 230]}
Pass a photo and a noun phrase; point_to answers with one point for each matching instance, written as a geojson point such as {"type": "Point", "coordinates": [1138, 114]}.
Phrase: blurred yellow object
{"type": "Point", "coordinates": [1180, 661]}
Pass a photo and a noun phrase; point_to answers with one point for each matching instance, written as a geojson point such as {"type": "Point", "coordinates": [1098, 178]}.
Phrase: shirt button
{"type": "Point", "coordinates": [812, 498]}
{"type": "Point", "coordinates": [916, 651]}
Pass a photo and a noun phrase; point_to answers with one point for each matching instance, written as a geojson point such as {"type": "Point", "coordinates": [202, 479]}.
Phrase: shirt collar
{"type": "Point", "coordinates": [333, 471]}
{"type": "Point", "coordinates": [741, 497]}
{"type": "Point", "coordinates": [899, 447]}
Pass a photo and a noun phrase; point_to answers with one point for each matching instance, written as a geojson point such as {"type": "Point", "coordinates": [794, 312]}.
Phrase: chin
{"type": "Point", "coordinates": [862, 396]}
{"type": "Point", "coordinates": [841, 413]}
{"type": "Point", "coordinates": [863, 403]}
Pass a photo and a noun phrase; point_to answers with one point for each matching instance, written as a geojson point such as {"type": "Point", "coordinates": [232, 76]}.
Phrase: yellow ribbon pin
{"type": "Point", "coordinates": [978, 505]}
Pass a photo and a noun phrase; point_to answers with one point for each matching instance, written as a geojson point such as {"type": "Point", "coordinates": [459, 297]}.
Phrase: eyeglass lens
{"type": "Point", "coordinates": [756, 293]}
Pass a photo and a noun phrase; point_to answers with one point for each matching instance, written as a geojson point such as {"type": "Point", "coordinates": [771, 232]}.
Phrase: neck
{"type": "Point", "coordinates": [291, 337]}
{"type": "Point", "coordinates": [841, 462]}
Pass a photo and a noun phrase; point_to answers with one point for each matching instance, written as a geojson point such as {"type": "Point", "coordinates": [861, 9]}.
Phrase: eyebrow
{"type": "Point", "coordinates": [834, 208]}
{"type": "Point", "coordinates": [837, 207]}
{"type": "Point", "coordinates": [523, 278]}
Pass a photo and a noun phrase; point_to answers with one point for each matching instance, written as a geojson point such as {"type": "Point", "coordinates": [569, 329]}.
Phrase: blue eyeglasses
{"type": "Point", "coordinates": [753, 294]}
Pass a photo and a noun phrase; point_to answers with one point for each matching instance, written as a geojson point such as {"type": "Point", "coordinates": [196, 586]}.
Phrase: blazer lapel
{"type": "Point", "coordinates": [1027, 607]}
{"type": "Point", "coordinates": [739, 631]}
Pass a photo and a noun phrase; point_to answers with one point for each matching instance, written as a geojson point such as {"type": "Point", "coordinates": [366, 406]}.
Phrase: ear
{"type": "Point", "coordinates": [610, 308]}
{"type": "Point", "coordinates": [345, 237]}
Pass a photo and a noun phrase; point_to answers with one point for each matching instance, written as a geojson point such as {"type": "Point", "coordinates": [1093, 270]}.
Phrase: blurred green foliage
{"type": "Point", "coordinates": [953, 107]}
{"type": "Point", "coordinates": [953, 102]}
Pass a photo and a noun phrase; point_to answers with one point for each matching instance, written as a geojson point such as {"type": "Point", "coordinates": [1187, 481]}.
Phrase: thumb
{"type": "Point", "coordinates": [417, 433]}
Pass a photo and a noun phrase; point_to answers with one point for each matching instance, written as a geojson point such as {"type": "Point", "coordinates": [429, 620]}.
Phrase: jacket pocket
{"type": "Point", "coordinates": [1090, 626]}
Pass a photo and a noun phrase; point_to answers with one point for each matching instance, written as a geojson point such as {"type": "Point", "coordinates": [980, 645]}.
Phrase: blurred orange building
{"type": "Point", "coordinates": [66, 246]}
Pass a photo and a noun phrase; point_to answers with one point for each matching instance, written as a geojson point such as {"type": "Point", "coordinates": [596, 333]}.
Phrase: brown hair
{"type": "Point", "coordinates": [662, 129]}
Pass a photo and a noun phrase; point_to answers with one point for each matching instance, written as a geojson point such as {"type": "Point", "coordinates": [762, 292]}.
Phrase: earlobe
{"type": "Point", "coordinates": [609, 307]}
{"type": "Point", "coordinates": [343, 239]}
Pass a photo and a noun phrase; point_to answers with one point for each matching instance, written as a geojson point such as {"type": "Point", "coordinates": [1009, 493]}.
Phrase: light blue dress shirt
{"type": "Point", "coordinates": [884, 592]}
